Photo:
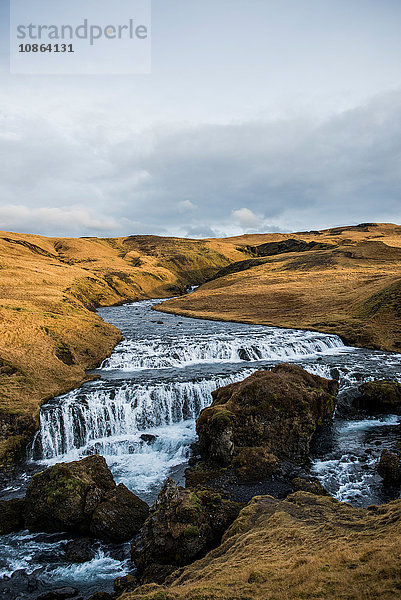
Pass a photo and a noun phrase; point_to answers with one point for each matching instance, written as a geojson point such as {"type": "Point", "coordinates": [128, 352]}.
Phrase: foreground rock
{"type": "Point", "coordinates": [309, 546]}
{"type": "Point", "coordinates": [82, 497]}
{"type": "Point", "coordinates": [389, 467]}
{"type": "Point", "coordinates": [11, 516]}
{"type": "Point", "coordinates": [182, 526]}
{"type": "Point", "coordinates": [380, 397]}
{"type": "Point", "coordinates": [268, 418]}
{"type": "Point", "coordinates": [80, 550]}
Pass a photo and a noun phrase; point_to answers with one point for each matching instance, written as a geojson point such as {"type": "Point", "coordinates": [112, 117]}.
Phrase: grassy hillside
{"type": "Point", "coordinates": [49, 288]}
{"type": "Point", "coordinates": [344, 280]}
{"type": "Point", "coordinates": [303, 547]}
{"type": "Point", "coordinates": [348, 282]}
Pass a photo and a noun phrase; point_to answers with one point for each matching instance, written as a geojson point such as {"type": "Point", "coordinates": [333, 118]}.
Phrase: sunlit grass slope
{"type": "Point", "coordinates": [49, 288]}
{"type": "Point", "coordinates": [349, 284]}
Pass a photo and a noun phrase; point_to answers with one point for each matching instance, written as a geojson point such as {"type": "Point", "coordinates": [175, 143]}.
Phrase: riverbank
{"type": "Point", "coordinates": [343, 281]}
{"type": "Point", "coordinates": [140, 415]}
{"type": "Point", "coordinates": [50, 333]}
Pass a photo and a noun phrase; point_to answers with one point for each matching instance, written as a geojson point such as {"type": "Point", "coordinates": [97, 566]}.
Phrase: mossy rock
{"type": "Point", "coordinates": [380, 396]}
{"type": "Point", "coordinates": [255, 464]}
{"type": "Point", "coordinates": [277, 411]}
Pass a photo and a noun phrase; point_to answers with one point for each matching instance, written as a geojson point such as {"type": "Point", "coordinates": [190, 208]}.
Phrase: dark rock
{"type": "Point", "coordinates": [276, 411]}
{"type": "Point", "coordinates": [120, 517]}
{"type": "Point", "coordinates": [101, 596]}
{"type": "Point", "coordinates": [313, 486]}
{"type": "Point", "coordinates": [156, 573]}
{"type": "Point", "coordinates": [79, 550]}
{"type": "Point", "coordinates": [182, 525]}
{"type": "Point", "coordinates": [389, 467]}
{"type": "Point", "coordinates": [11, 516]}
{"type": "Point", "coordinates": [255, 464]}
{"type": "Point", "coordinates": [380, 396]}
{"type": "Point", "coordinates": [125, 584]}
{"type": "Point", "coordinates": [82, 497]}
{"type": "Point", "coordinates": [59, 594]}
{"type": "Point", "coordinates": [63, 497]}
{"type": "Point", "coordinates": [289, 245]}
{"type": "Point", "coordinates": [148, 438]}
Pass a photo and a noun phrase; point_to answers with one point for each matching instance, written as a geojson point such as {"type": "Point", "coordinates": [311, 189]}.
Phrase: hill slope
{"type": "Point", "coordinates": [348, 283]}
{"type": "Point", "coordinates": [49, 288]}
{"type": "Point", "coordinates": [306, 546]}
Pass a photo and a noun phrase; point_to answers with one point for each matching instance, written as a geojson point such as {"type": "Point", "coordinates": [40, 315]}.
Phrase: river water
{"type": "Point", "coordinates": [156, 382]}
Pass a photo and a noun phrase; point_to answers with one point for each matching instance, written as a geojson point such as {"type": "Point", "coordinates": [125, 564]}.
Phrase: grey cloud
{"type": "Point", "coordinates": [252, 176]}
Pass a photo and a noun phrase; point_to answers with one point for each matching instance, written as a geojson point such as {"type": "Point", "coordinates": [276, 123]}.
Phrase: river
{"type": "Point", "coordinates": [156, 382]}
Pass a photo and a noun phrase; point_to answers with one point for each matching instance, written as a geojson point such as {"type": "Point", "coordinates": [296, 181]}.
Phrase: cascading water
{"type": "Point", "coordinates": [141, 413]}
{"type": "Point", "coordinates": [274, 345]}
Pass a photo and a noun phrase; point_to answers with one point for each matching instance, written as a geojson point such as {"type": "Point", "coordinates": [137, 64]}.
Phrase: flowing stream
{"type": "Point", "coordinates": [156, 382]}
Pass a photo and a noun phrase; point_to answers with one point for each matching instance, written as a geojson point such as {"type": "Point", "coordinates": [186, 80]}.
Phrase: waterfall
{"type": "Point", "coordinates": [131, 355]}
{"type": "Point", "coordinates": [102, 411]}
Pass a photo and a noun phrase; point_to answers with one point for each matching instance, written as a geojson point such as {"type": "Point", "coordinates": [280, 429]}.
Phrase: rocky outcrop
{"type": "Point", "coordinates": [389, 467]}
{"type": "Point", "coordinates": [11, 516]}
{"type": "Point", "coordinates": [182, 526]}
{"type": "Point", "coordinates": [82, 497]}
{"type": "Point", "coordinates": [289, 245]}
{"type": "Point", "coordinates": [265, 419]}
{"type": "Point", "coordinates": [380, 397]}
{"type": "Point", "coordinates": [79, 551]}
{"type": "Point", "coordinates": [305, 546]}
{"type": "Point", "coordinates": [313, 486]}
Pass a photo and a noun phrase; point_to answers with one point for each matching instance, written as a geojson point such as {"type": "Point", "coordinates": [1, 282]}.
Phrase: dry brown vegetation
{"type": "Point", "coordinates": [49, 288]}
{"type": "Point", "coordinates": [306, 546]}
{"type": "Point", "coordinates": [352, 288]}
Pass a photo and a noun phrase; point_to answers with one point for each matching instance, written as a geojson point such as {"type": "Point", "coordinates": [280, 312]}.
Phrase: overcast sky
{"type": "Point", "coordinates": [259, 115]}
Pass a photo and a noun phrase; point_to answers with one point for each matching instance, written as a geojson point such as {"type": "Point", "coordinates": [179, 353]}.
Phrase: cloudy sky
{"type": "Point", "coordinates": [259, 115]}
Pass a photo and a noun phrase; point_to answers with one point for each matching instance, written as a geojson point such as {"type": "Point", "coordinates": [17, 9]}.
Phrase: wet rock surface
{"type": "Point", "coordinates": [80, 550]}
{"type": "Point", "coordinates": [182, 526]}
{"type": "Point", "coordinates": [11, 515]}
{"type": "Point", "coordinates": [82, 497]}
{"type": "Point", "coordinates": [267, 419]}
{"type": "Point", "coordinates": [380, 397]}
{"type": "Point", "coordinates": [389, 467]}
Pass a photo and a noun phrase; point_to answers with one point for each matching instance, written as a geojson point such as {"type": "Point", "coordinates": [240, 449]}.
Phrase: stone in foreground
{"type": "Point", "coordinates": [268, 417]}
{"type": "Point", "coordinates": [182, 526]}
{"type": "Point", "coordinates": [82, 497]}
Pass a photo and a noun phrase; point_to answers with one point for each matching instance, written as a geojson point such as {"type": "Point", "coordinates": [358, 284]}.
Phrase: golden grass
{"type": "Point", "coordinates": [353, 289]}
{"type": "Point", "coordinates": [49, 288]}
{"type": "Point", "coordinates": [304, 547]}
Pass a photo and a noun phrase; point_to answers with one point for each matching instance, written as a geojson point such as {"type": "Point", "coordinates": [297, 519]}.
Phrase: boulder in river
{"type": "Point", "coordinates": [82, 497]}
{"type": "Point", "coordinates": [389, 467]}
{"type": "Point", "coordinates": [11, 516]}
{"type": "Point", "coordinates": [149, 438]}
{"type": "Point", "coordinates": [182, 526]}
{"type": "Point", "coordinates": [380, 396]}
{"type": "Point", "coordinates": [80, 550]}
{"type": "Point", "coordinates": [121, 515]}
{"type": "Point", "coordinates": [270, 416]}
{"type": "Point", "coordinates": [313, 486]}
